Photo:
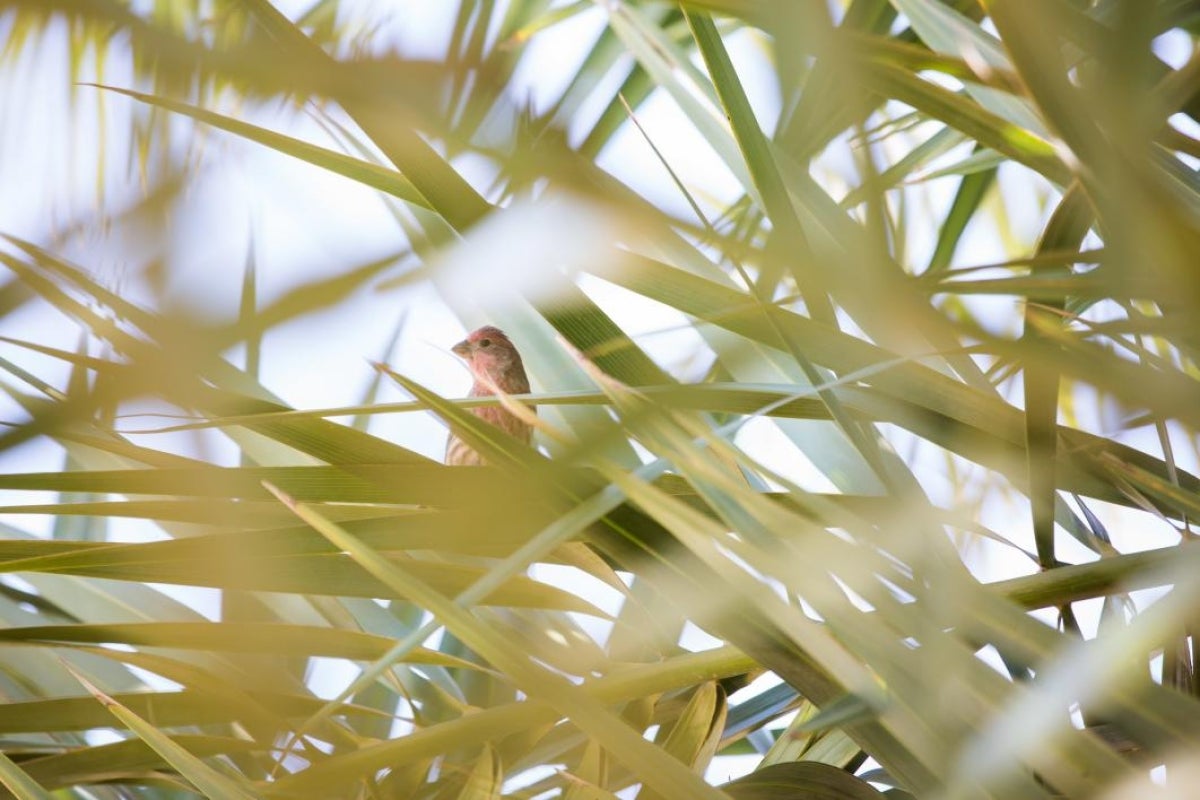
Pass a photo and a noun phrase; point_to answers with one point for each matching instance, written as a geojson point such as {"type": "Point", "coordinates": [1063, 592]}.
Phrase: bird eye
{"type": "Point", "coordinates": [485, 342]}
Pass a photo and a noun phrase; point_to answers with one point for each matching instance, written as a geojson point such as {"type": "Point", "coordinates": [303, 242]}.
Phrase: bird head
{"type": "Point", "coordinates": [490, 355]}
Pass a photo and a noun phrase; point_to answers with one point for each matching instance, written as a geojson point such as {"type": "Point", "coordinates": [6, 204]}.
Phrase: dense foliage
{"type": "Point", "coordinates": [935, 507]}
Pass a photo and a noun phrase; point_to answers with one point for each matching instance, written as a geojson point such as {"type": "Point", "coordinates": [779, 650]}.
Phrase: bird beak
{"type": "Point", "coordinates": [462, 349]}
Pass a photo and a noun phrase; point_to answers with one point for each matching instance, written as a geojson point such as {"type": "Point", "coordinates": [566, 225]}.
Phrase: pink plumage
{"type": "Point", "coordinates": [495, 364]}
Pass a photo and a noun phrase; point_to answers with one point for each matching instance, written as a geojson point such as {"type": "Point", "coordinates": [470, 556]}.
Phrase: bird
{"type": "Point", "coordinates": [495, 365]}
